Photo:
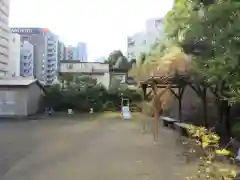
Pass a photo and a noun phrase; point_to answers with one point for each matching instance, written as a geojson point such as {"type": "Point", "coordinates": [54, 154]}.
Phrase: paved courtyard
{"type": "Point", "coordinates": [76, 149]}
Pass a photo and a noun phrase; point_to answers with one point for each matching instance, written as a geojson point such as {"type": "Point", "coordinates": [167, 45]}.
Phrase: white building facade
{"type": "Point", "coordinates": [98, 71]}
{"type": "Point", "coordinates": [4, 37]}
{"type": "Point", "coordinates": [14, 55]}
{"type": "Point", "coordinates": [143, 41]}
{"type": "Point", "coordinates": [26, 59]}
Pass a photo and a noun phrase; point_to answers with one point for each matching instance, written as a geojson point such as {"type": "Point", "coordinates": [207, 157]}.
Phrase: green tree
{"type": "Point", "coordinates": [117, 60]}
{"type": "Point", "coordinates": [210, 31]}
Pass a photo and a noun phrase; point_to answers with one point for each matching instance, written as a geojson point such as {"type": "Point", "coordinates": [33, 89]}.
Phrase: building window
{"type": "Point", "coordinates": [25, 38]}
{"type": "Point", "coordinates": [131, 42]}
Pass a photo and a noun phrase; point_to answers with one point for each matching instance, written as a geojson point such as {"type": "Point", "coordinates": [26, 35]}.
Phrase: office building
{"type": "Point", "coordinates": [4, 37]}
{"type": "Point", "coordinates": [45, 51]}
{"type": "Point", "coordinates": [26, 59]}
{"type": "Point", "coordinates": [14, 55]}
{"type": "Point", "coordinates": [82, 51]}
{"type": "Point", "coordinates": [143, 41]}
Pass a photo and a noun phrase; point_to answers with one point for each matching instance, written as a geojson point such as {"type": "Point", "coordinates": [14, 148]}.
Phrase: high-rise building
{"type": "Point", "coordinates": [52, 58]}
{"type": "Point", "coordinates": [4, 37]}
{"type": "Point", "coordinates": [136, 44]}
{"type": "Point", "coordinates": [45, 52]}
{"type": "Point", "coordinates": [154, 30]}
{"type": "Point", "coordinates": [26, 59]}
{"type": "Point", "coordinates": [142, 42]}
{"type": "Point", "coordinates": [82, 51]}
{"type": "Point", "coordinates": [71, 53]}
{"type": "Point", "coordinates": [14, 55]}
{"type": "Point", "coordinates": [61, 51]}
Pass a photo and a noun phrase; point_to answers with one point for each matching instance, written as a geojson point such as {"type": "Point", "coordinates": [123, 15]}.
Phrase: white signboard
{"type": "Point", "coordinates": [126, 112]}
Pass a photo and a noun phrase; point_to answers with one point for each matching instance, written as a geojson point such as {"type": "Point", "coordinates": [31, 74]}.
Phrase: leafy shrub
{"type": "Point", "coordinates": [209, 167]}
{"type": "Point", "coordinates": [90, 96]}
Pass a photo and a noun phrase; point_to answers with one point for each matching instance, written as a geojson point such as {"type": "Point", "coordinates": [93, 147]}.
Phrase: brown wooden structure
{"type": "Point", "coordinates": [179, 81]}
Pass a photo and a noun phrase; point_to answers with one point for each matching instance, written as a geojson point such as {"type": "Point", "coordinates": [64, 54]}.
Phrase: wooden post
{"type": "Point", "coordinates": [156, 116]}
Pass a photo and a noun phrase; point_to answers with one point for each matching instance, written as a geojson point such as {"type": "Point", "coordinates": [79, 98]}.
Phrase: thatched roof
{"type": "Point", "coordinates": [164, 68]}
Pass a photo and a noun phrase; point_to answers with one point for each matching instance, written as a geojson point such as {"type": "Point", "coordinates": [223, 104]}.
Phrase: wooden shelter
{"type": "Point", "coordinates": [177, 81]}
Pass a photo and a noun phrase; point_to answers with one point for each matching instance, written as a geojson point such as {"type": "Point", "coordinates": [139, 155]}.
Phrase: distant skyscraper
{"type": "Point", "coordinates": [71, 53]}
{"type": "Point", "coordinates": [82, 51]}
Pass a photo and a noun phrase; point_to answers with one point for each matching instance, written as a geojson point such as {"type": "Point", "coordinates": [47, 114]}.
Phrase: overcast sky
{"type": "Point", "coordinates": [103, 24]}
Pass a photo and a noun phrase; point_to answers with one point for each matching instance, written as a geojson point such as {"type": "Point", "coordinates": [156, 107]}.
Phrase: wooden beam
{"type": "Point", "coordinates": [163, 86]}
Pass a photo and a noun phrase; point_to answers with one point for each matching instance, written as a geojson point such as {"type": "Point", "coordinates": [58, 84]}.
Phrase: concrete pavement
{"type": "Point", "coordinates": [106, 149]}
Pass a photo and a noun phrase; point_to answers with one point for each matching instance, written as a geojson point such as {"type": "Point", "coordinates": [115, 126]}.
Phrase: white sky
{"type": "Point", "coordinates": [103, 24]}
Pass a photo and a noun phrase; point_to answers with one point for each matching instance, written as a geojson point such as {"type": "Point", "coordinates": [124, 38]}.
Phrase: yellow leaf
{"type": "Point", "coordinates": [205, 144]}
{"type": "Point", "coordinates": [223, 152]}
{"type": "Point", "coordinates": [233, 173]}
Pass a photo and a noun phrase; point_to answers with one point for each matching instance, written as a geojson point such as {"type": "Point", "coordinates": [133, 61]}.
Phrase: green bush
{"type": "Point", "coordinates": [90, 96]}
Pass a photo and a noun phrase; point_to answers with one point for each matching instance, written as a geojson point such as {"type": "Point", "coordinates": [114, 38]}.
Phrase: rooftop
{"type": "Point", "coordinates": [17, 81]}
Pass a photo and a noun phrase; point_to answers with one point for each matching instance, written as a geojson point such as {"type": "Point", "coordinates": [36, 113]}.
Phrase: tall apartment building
{"type": "Point", "coordinates": [143, 41]}
{"type": "Point", "coordinates": [4, 37]}
{"type": "Point", "coordinates": [82, 51]}
{"type": "Point", "coordinates": [52, 58]}
{"type": "Point", "coordinates": [26, 59]}
{"type": "Point", "coordinates": [45, 51]}
{"type": "Point", "coordinates": [14, 55]}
